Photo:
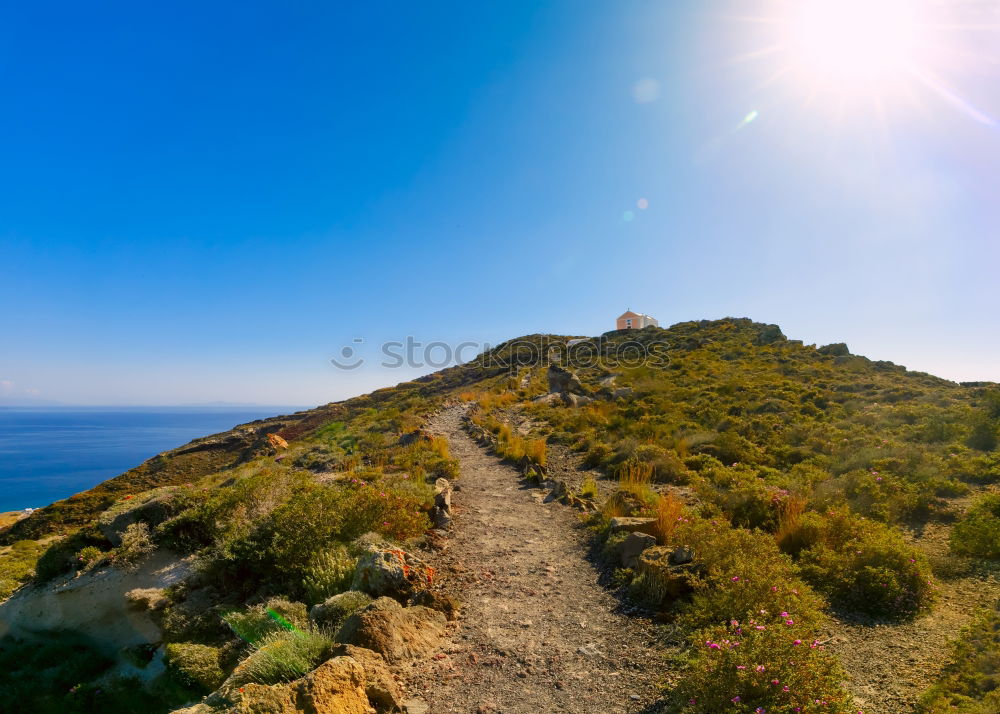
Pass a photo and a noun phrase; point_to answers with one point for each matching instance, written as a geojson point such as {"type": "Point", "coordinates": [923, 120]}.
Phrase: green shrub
{"type": "Point", "coordinates": [284, 656]}
{"type": "Point", "coordinates": [194, 665]}
{"type": "Point", "coordinates": [136, 545]}
{"type": "Point", "coordinates": [984, 435]}
{"type": "Point", "coordinates": [330, 614]}
{"type": "Point", "coordinates": [330, 573]}
{"type": "Point", "coordinates": [978, 533]}
{"type": "Point", "coordinates": [970, 683]}
{"type": "Point", "coordinates": [18, 565]}
{"type": "Point", "coordinates": [867, 567]}
{"type": "Point", "coordinates": [255, 623]}
{"type": "Point", "coordinates": [89, 556]}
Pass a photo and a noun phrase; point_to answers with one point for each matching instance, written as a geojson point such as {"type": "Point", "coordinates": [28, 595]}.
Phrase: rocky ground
{"type": "Point", "coordinates": [537, 633]}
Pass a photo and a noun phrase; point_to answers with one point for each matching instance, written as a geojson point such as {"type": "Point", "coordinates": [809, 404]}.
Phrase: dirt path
{"type": "Point", "coordinates": [537, 634]}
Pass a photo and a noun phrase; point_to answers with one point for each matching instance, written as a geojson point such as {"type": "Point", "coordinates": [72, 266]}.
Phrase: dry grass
{"type": "Point", "coordinates": [589, 488]}
{"type": "Point", "coordinates": [536, 451]}
{"type": "Point", "coordinates": [669, 511]}
{"type": "Point", "coordinates": [490, 400]}
{"type": "Point", "coordinates": [790, 515]}
{"type": "Point", "coordinates": [439, 445]}
{"type": "Point", "coordinates": [634, 477]}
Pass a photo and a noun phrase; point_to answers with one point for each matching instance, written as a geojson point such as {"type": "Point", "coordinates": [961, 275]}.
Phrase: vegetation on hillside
{"type": "Point", "coordinates": [800, 469]}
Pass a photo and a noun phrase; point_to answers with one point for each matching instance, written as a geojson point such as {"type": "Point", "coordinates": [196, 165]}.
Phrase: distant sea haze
{"type": "Point", "coordinates": [48, 454]}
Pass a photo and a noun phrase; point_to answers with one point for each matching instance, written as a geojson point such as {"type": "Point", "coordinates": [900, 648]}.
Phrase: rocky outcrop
{"type": "Point", "coordinates": [562, 380]}
{"type": "Point", "coordinates": [626, 524]}
{"type": "Point", "coordinates": [386, 571]}
{"type": "Point", "coordinates": [381, 688]}
{"type": "Point", "coordinates": [442, 602]}
{"type": "Point", "coordinates": [632, 547]}
{"type": "Point", "coordinates": [441, 512]}
{"type": "Point", "coordinates": [397, 633]}
{"type": "Point", "coordinates": [338, 686]}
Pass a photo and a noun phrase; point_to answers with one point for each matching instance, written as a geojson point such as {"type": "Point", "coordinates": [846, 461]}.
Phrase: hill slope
{"type": "Point", "coordinates": [821, 464]}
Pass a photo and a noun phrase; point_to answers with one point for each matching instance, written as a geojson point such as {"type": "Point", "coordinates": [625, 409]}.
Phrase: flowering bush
{"type": "Point", "coordinates": [868, 567]}
{"type": "Point", "coordinates": [761, 665]}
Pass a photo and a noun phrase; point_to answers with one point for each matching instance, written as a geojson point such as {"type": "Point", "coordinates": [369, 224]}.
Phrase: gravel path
{"type": "Point", "coordinates": [537, 633]}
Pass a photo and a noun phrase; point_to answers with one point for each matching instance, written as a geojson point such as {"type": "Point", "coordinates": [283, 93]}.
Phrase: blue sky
{"type": "Point", "coordinates": [205, 204]}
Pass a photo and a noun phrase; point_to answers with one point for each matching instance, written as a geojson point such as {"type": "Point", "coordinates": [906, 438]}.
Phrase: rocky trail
{"type": "Point", "coordinates": [538, 633]}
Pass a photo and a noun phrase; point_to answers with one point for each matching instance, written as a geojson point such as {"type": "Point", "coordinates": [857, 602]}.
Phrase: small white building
{"type": "Point", "coordinates": [635, 321]}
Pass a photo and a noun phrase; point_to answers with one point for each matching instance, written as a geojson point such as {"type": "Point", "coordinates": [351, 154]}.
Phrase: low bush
{"type": "Point", "coordinates": [195, 666]}
{"type": "Point", "coordinates": [136, 545]}
{"type": "Point", "coordinates": [757, 666]}
{"type": "Point", "coordinates": [864, 566]}
{"type": "Point", "coordinates": [331, 614]}
{"type": "Point", "coordinates": [284, 656]}
{"type": "Point", "coordinates": [330, 573]}
{"type": "Point", "coordinates": [970, 683]}
{"type": "Point", "coordinates": [978, 532]}
{"type": "Point", "coordinates": [254, 624]}
{"type": "Point", "coordinates": [17, 565]}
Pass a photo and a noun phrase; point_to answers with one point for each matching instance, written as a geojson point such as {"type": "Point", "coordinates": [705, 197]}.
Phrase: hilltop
{"type": "Point", "coordinates": [738, 485]}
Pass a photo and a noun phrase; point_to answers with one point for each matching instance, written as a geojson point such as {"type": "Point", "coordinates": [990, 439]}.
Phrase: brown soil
{"type": "Point", "coordinates": [537, 633]}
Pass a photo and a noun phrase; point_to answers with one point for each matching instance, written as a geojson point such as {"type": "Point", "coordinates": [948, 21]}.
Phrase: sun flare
{"type": "Point", "coordinates": [853, 41]}
{"type": "Point", "coordinates": [870, 60]}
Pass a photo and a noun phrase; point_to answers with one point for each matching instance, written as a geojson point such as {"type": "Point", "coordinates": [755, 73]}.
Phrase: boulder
{"type": "Point", "coordinates": [335, 687]}
{"type": "Point", "coordinates": [383, 570]}
{"type": "Point", "coordinates": [621, 393]}
{"type": "Point", "coordinates": [681, 555]}
{"type": "Point", "coordinates": [549, 399]}
{"type": "Point", "coordinates": [632, 547]}
{"type": "Point", "coordinates": [442, 602]}
{"type": "Point", "coordinates": [562, 380]}
{"type": "Point", "coordinates": [381, 688]}
{"type": "Point", "coordinates": [559, 492]}
{"type": "Point", "coordinates": [627, 524]}
{"type": "Point", "coordinates": [575, 400]}
{"type": "Point", "coordinates": [659, 580]}
{"type": "Point", "coordinates": [441, 517]}
{"type": "Point", "coordinates": [397, 633]}
{"type": "Point", "coordinates": [442, 494]}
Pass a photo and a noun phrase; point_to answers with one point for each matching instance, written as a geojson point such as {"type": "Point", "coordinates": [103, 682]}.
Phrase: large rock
{"type": "Point", "coordinates": [397, 633]}
{"type": "Point", "coordinates": [660, 580]}
{"type": "Point", "coordinates": [380, 686]}
{"type": "Point", "coordinates": [335, 687]}
{"type": "Point", "coordinates": [383, 570]}
{"type": "Point", "coordinates": [632, 547]}
{"type": "Point", "coordinates": [575, 400]}
{"type": "Point", "coordinates": [562, 380]}
{"type": "Point", "coordinates": [437, 600]}
{"type": "Point", "coordinates": [627, 524]}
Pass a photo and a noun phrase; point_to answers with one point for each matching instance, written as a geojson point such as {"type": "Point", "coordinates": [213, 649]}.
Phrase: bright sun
{"type": "Point", "coordinates": [853, 42]}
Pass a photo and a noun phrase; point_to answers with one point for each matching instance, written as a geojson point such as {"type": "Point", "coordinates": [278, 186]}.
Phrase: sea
{"type": "Point", "coordinates": [47, 454]}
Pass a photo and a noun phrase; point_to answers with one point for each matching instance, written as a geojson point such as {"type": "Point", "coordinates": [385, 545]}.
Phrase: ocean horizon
{"type": "Point", "coordinates": [48, 453]}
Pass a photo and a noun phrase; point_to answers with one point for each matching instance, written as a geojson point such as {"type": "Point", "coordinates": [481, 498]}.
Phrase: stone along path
{"type": "Point", "coordinates": [537, 632]}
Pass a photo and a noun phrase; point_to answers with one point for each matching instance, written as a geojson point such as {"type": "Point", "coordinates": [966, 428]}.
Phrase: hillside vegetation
{"type": "Point", "coordinates": [791, 474]}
